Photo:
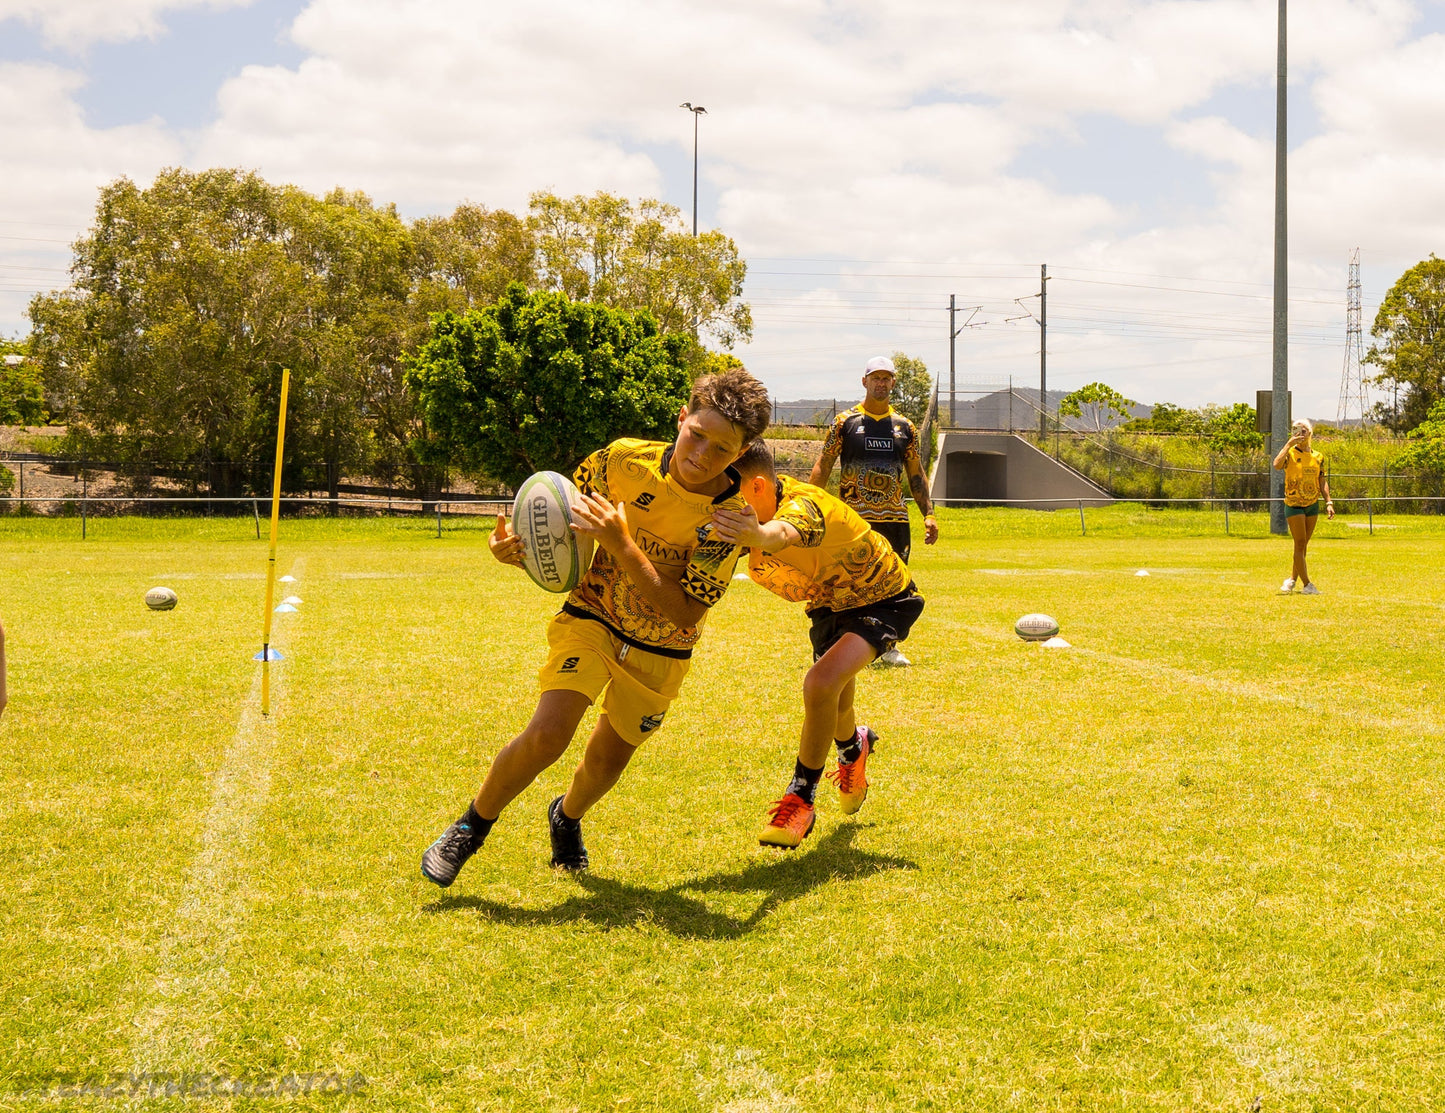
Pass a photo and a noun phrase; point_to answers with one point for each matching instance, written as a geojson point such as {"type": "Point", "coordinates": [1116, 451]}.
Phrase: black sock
{"type": "Point", "coordinates": [849, 749]}
{"type": "Point", "coordinates": [805, 782]}
{"type": "Point", "coordinates": [480, 827]}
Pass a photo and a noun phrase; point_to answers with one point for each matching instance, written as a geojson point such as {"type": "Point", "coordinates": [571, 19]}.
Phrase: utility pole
{"type": "Point", "coordinates": [1044, 348]}
{"type": "Point", "coordinates": [1280, 415]}
{"type": "Point", "coordinates": [953, 332]}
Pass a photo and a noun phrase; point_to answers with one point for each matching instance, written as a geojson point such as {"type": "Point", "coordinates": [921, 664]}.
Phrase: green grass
{"type": "Point", "coordinates": [1195, 859]}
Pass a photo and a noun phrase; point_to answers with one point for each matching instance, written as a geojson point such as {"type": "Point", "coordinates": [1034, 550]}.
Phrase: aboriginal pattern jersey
{"type": "Point", "coordinates": [875, 453]}
{"type": "Point", "coordinates": [670, 525]}
{"type": "Point", "coordinates": [839, 562]}
{"type": "Point", "coordinates": [1302, 471]}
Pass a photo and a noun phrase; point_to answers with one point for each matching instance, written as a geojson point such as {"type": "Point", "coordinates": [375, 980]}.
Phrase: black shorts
{"type": "Point", "coordinates": [882, 624]}
{"type": "Point", "coordinates": [899, 535]}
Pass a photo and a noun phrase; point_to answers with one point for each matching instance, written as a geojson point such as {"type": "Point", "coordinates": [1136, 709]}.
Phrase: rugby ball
{"type": "Point", "coordinates": [1036, 627]}
{"type": "Point", "coordinates": [160, 599]}
{"type": "Point", "coordinates": [554, 557]}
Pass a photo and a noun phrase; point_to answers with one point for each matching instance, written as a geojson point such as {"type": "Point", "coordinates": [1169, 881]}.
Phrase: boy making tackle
{"type": "Point", "coordinates": [807, 546]}
{"type": "Point", "coordinates": [627, 631]}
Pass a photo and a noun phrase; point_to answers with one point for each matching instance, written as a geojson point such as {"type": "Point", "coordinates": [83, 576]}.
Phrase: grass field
{"type": "Point", "coordinates": [1193, 861]}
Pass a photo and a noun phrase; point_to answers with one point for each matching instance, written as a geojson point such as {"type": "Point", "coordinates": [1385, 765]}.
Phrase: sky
{"type": "Point", "coordinates": [869, 159]}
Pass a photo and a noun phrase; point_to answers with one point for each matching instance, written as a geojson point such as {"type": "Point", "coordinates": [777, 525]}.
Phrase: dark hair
{"type": "Point", "coordinates": [757, 459]}
{"type": "Point", "coordinates": [737, 396]}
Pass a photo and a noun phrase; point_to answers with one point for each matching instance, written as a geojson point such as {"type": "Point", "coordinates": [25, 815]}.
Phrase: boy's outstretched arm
{"type": "Point", "coordinates": [606, 523]}
{"type": "Point", "coordinates": [741, 527]}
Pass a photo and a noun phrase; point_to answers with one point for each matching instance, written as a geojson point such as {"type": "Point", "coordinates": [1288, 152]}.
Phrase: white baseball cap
{"type": "Point", "coordinates": [879, 363]}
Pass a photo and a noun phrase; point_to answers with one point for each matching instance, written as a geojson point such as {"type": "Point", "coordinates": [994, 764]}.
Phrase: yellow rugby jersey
{"type": "Point", "coordinates": [839, 563]}
{"type": "Point", "coordinates": [874, 454]}
{"type": "Point", "coordinates": [670, 525]}
{"type": "Point", "coordinates": [1302, 471]}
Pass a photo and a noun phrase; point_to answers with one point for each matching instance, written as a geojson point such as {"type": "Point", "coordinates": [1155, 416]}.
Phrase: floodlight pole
{"type": "Point", "coordinates": [1279, 407]}
{"type": "Point", "coordinates": [696, 110]}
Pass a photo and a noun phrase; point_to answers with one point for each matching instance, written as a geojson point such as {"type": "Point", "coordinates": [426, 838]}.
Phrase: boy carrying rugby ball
{"type": "Point", "coordinates": [627, 631]}
{"type": "Point", "coordinates": [809, 547]}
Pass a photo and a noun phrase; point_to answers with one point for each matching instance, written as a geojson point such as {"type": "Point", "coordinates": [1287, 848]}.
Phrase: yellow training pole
{"type": "Point", "coordinates": [271, 566]}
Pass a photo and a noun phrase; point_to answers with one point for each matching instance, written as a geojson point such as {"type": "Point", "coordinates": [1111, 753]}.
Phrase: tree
{"type": "Point", "coordinates": [1234, 429]}
{"type": "Point", "coordinates": [352, 408]}
{"type": "Point", "coordinates": [538, 380]}
{"type": "Point", "coordinates": [641, 257]}
{"type": "Point", "coordinates": [184, 299]}
{"type": "Point", "coordinates": [1426, 448]}
{"type": "Point", "coordinates": [1409, 331]}
{"type": "Point", "coordinates": [913, 390]}
{"type": "Point", "coordinates": [22, 393]}
{"type": "Point", "coordinates": [189, 298]}
{"type": "Point", "coordinates": [1166, 417]}
{"type": "Point", "coordinates": [467, 260]}
{"type": "Point", "coordinates": [1097, 405]}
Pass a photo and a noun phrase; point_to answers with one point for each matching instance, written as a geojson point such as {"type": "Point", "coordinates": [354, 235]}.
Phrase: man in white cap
{"type": "Point", "coordinates": [878, 448]}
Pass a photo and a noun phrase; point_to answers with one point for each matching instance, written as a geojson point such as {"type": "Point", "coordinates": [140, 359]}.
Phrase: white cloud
{"type": "Point", "coordinates": [53, 166]}
{"type": "Point", "coordinates": [75, 24]}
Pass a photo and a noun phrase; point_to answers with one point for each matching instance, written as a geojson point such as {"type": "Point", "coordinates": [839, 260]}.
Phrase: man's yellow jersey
{"type": "Point", "coordinates": [839, 563]}
{"type": "Point", "coordinates": [670, 525]}
{"type": "Point", "coordinates": [1302, 471]}
{"type": "Point", "coordinates": [875, 453]}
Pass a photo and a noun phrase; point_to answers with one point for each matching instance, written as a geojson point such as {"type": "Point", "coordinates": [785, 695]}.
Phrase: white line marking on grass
{"type": "Point", "coordinates": [1418, 723]}
{"type": "Point", "coordinates": [177, 1020]}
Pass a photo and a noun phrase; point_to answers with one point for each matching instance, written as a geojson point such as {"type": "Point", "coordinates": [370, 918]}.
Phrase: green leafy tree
{"type": "Point", "coordinates": [1409, 348]}
{"type": "Point", "coordinates": [1097, 405]}
{"type": "Point", "coordinates": [1166, 417]}
{"type": "Point", "coordinates": [183, 305]}
{"type": "Point", "coordinates": [538, 380]}
{"type": "Point", "coordinates": [22, 391]}
{"type": "Point", "coordinates": [1233, 430]}
{"type": "Point", "coordinates": [467, 260]}
{"type": "Point", "coordinates": [643, 257]}
{"type": "Point", "coordinates": [353, 410]}
{"type": "Point", "coordinates": [1426, 448]}
{"type": "Point", "coordinates": [913, 391]}
{"type": "Point", "coordinates": [189, 298]}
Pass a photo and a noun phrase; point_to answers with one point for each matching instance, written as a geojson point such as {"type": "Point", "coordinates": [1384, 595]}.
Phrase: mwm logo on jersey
{"type": "Point", "coordinates": [658, 549]}
{"type": "Point", "coordinates": [569, 665]}
{"type": "Point", "coordinates": [644, 500]}
{"type": "Point", "coordinates": [878, 444]}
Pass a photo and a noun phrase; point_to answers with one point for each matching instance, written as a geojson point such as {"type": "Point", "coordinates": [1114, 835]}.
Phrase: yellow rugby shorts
{"type": "Point", "coordinates": [586, 657]}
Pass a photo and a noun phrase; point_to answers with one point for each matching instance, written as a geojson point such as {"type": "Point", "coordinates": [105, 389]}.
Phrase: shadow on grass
{"type": "Point", "coordinates": [613, 904]}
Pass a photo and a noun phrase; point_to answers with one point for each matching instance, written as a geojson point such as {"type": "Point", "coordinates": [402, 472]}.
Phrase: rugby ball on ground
{"type": "Point", "coordinates": [554, 557]}
{"type": "Point", "coordinates": [1036, 627]}
{"type": "Point", "coordinates": [160, 599]}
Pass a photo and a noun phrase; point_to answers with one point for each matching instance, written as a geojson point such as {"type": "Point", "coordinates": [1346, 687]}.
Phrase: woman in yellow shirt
{"type": "Point", "coordinates": [1304, 481]}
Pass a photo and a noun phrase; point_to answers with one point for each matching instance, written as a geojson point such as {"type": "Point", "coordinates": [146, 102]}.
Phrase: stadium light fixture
{"type": "Point", "coordinates": [696, 110]}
